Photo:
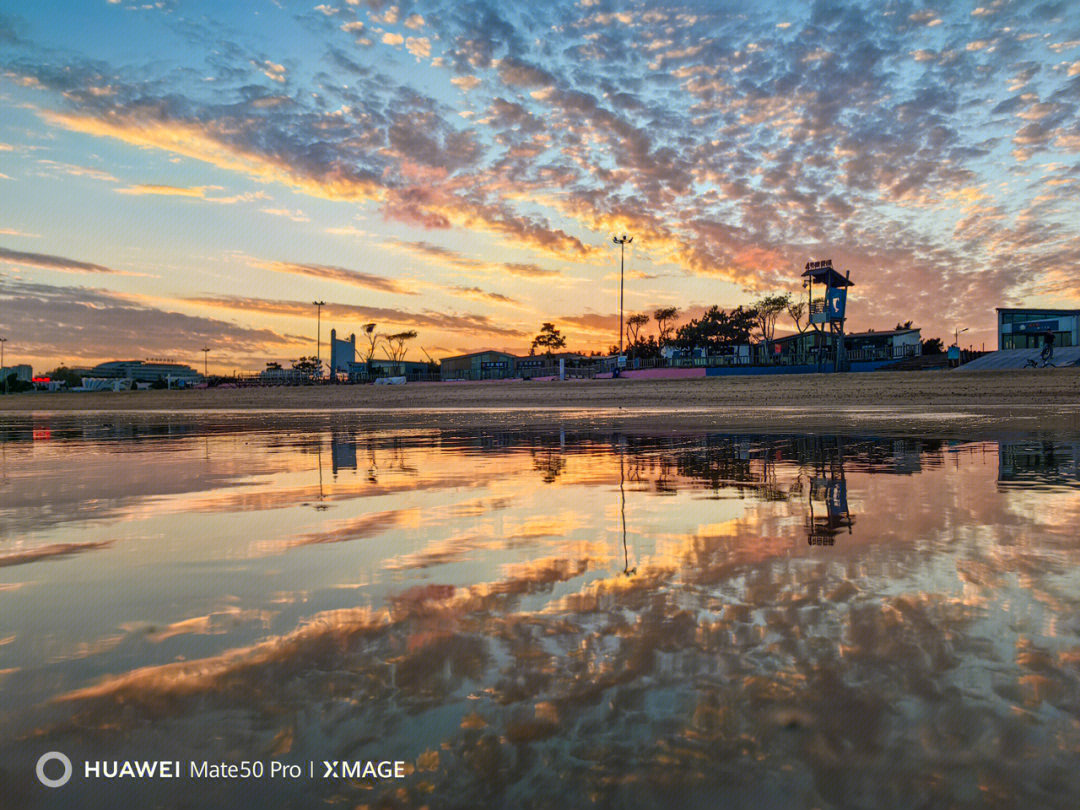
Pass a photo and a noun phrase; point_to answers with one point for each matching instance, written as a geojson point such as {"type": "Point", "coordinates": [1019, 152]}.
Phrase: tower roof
{"type": "Point", "coordinates": [824, 273]}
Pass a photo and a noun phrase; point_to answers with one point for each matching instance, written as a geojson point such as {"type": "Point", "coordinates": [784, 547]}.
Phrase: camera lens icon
{"type": "Point", "coordinates": [44, 760]}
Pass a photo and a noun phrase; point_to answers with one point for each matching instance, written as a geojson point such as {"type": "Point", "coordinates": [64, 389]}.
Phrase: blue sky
{"type": "Point", "coordinates": [176, 175]}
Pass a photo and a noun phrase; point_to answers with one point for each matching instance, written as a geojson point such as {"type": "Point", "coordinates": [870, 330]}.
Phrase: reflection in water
{"type": "Point", "coordinates": [554, 619]}
{"type": "Point", "coordinates": [828, 486]}
{"type": "Point", "coordinates": [622, 515]}
{"type": "Point", "coordinates": [1045, 462]}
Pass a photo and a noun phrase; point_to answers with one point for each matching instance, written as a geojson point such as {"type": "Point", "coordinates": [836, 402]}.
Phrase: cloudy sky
{"type": "Point", "coordinates": [175, 175]}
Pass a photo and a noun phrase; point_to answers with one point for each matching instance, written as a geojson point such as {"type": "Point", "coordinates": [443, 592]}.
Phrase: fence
{"type": "Point", "coordinates": [761, 358]}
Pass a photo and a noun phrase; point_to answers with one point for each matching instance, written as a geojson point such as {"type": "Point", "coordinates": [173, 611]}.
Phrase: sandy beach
{"type": "Point", "coordinates": [931, 403]}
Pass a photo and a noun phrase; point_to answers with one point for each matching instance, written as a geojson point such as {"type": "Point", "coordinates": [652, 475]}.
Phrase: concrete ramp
{"type": "Point", "coordinates": [1018, 358]}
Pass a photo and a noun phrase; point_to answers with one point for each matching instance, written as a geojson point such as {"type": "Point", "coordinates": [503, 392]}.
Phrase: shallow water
{"type": "Point", "coordinates": [563, 618]}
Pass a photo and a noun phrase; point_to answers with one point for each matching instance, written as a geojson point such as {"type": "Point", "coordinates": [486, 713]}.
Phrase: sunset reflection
{"type": "Point", "coordinates": [817, 620]}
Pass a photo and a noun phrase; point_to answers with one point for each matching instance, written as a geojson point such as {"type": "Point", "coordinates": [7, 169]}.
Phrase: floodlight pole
{"type": "Point", "coordinates": [622, 242]}
{"type": "Point", "coordinates": [318, 333]}
{"type": "Point", "coordinates": [205, 354]}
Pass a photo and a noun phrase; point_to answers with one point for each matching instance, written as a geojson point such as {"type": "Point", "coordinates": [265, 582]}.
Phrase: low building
{"type": "Point", "coordinates": [1027, 328]}
{"type": "Point", "coordinates": [283, 376]}
{"type": "Point", "coordinates": [888, 344]}
{"type": "Point", "coordinates": [22, 372]}
{"type": "Point", "coordinates": [547, 365]}
{"type": "Point", "coordinates": [892, 344]}
{"type": "Point", "coordinates": [139, 371]}
{"type": "Point", "coordinates": [411, 370]}
{"type": "Point", "coordinates": [485, 365]}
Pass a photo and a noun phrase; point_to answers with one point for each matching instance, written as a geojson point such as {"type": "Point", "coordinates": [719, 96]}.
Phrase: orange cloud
{"type": "Point", "coordinates": [206, 143]}
{"type": "Point", "coordinates": [167, 191]}
{"type": "Point", "coordinates": [333, 273]}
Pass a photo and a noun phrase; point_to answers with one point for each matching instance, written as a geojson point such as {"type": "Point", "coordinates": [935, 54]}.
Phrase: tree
{"type": "Point", "coordinates": [904, 325]}
{"type": "Point", "coordinates": [273, 366]}
{"type": "Point", "coordinates": [633, 327]}
{"type": "Point", "coordinates": [933, 346]}
{"type": "Point", "coordinates": [767, 310]}
{"type": "Point", "coordinates": [796, 311]}
{"type": "Point", "coordinates": [395, 344]}
{"type": "Point", "coordinates": [665, 323]}
{"type": "Point", "coordinates": [372, 338]}
{"type": "Point", "coordinates": [549, 339]}
{"type": "Point", "coordinates": [310, 366]}
{"type": "Point", "coordinates": [66, 376]}
{"type": "Point", "coordinates": [717, 330]}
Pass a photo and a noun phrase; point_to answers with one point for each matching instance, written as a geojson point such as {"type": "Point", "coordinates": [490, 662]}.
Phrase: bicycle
{"type": "Point", "coordinates": [1046, 356]}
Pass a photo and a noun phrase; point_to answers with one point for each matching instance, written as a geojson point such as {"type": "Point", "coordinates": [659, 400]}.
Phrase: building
{"type": "Point", "coordinates": [485, 365]}
{"type": "Point", "coordinates": [138, 371]}
{"type": "Point", "coordinates": [343, 363]}
{"type": "Point", "coordinates": [283, 376]}
{"type": "Point", "coordinates": [342, 354]}
{"type": "Point", "coordinates": [547, 365]}
{"type": "Point", "coordinates": [411, 370]}
{"type": "Point", "coordinates": [1026, 328]}
{"type": "Point", "coordinates": [889, 344]}
{"type": "Point", "coordinates": [22, 372]}
{"type": "Point", "coordinates": [893, 344]}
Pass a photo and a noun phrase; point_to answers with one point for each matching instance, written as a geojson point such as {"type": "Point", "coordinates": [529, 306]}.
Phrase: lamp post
{"type": "Point", "coordinates": [956, 336]}
{"type": "Point", "coordinates": [205, 354]}
{"type": "Point", "coordinates": [3, 368]}
{"type": "Point", "coordinates": [318, 334]}
{"type": "Point", "coordinates": [622, 242]}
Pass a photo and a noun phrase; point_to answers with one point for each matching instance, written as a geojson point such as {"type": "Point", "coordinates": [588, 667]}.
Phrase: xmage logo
{"type": "Point", "coordinates": [360, 769]}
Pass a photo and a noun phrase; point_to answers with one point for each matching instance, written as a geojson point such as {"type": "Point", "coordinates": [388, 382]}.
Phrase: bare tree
{"type": "Point", "coordinates": [633, 327]}
{"type": "Point", "coordinates": [395, 347]}
{"type": "Point", "coordinates": [373, 338]}
{"type": "Point", "coordinates": [767, 310]}
{"type": "Point", "coordinates": [797, 311]}
{"type": "Point", "coordinates": [665, 323]}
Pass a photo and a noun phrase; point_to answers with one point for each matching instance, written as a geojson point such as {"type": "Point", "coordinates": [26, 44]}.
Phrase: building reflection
{"type": "Point", "coordinates": [342, 450]}
{"type": "Point", "coordinates": [1039, 463]}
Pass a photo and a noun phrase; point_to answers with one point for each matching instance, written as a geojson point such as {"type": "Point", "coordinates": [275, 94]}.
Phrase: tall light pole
{"type": "Point", "coordinates": [205, 354]}
{"type": "Point", "coordinates": [956, 337]}
{"type": "Point", "coordinates": [318, 334]}
{"type": "Point", "coordinates": [622, 242]}
{"type": "Point", "coordinates": [3, 368]}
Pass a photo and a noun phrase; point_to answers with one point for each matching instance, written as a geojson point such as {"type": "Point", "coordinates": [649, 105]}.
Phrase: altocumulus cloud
{"type": "Point", "coordinates": [734, 146]}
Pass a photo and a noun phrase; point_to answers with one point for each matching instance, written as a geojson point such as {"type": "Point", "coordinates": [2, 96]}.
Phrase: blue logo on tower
{"type": "Point", "coordinates": [836, 303]}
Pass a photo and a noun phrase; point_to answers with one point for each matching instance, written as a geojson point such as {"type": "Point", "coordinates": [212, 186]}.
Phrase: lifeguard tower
{"type": "Point", "coordinates": [829, 310]}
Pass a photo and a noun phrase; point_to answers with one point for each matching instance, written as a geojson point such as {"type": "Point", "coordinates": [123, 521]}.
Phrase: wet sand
{"type": "Point", "coordinates": [975, 404]}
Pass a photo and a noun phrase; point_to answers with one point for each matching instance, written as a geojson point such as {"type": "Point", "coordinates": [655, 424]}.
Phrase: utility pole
{"type": "Point", "coordinates": [318, 334]}
{"type": "Point", "coordinates": [622, 242]}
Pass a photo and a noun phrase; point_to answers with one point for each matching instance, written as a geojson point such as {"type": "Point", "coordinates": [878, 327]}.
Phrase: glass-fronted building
{"type": "Point", "coordinates": [1026, 328]}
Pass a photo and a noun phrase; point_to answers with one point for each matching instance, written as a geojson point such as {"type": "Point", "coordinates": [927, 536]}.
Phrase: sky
{"type": "Point", "coordinates": [180, 175]}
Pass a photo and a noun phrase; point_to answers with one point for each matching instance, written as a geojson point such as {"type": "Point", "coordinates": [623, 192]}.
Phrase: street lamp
{"type": "Point", "coordinates": [205, 354]}
{"type": "Point", "coordinates": [3, 369]}
{"type": "Point", "coordinates": [956, 337]}
{"type": "Point", "coordinates": [622, 242]}
{"type": "Point", "coordinates": [318, 334]}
